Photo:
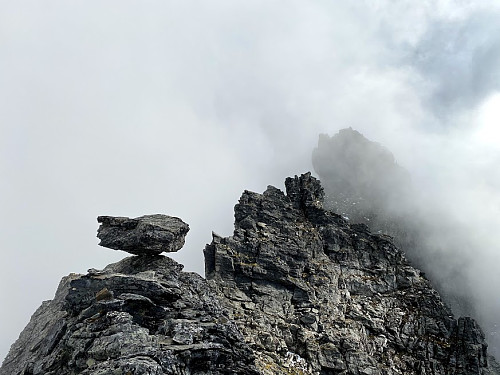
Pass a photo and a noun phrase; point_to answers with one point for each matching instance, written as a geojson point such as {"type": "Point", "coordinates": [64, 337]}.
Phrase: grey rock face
{"type": "Point", "coordinates": [141, 315]}
{"type": "Point", "coordinates": [363, 182]}
{"type": "Point", "coordinates": [145, 235]}
{"type": "Point", "coordinates": [295, 290]}
{"type": "Point", "coordinates": [313, 294]}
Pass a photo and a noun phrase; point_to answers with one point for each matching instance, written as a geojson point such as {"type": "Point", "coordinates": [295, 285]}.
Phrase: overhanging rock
{"type": "Point", "coordinates": [144, 235]}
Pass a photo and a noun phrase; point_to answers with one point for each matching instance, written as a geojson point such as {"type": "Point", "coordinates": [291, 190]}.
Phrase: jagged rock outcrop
{"type": "Point", "coordinates": [295, 290]}
{"type": "Point", "coordinates": [141, 315]}
{"type": "Point", "coordinates": [313, 294]}
{"type": "Point", "coordinates": [145, 235]}
{"type": "Point", "coordinates": [364, 183]}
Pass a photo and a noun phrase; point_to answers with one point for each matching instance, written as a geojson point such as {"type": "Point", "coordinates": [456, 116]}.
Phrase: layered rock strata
{"type": "Point", "coordinates": [295, 290]}
{"type": "Point", "coordinates": [314, 294]}
{"type": "Point", "coordinates": [141, 315]}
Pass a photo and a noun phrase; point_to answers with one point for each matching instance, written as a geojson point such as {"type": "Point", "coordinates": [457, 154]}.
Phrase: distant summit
{"type": "Point", "coordinates": [364, 183]}
{"type": "Point", "coordinates": [361, 178]}
{"type": "Point", "coordinates": [297, 289]}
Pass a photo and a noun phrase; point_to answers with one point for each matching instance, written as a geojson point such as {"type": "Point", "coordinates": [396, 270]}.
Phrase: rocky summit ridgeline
{"type": "Point", "coordinates": [295, 290]}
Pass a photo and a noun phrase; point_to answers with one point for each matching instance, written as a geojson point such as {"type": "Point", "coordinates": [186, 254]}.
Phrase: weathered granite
{"type": "Point", "coordinates": [145, 235]}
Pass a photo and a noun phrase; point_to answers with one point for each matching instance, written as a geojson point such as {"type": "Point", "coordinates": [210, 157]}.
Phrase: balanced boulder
{"type": "Point", "coordinates": [144, 235]}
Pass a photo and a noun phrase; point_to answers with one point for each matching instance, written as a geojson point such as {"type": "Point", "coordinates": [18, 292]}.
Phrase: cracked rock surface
{"type": "Point", "coordinates": [295, 290]}
{"type": "Point", "coordinates": [313, 294]}
{"type": "Point", "coordinates": [141, 315]}
{"type": "Point", "coordinates": [145, 235]}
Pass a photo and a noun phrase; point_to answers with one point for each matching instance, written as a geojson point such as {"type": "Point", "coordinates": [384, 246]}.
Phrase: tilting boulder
{"type": "Point", "coordinates": [144, 235]}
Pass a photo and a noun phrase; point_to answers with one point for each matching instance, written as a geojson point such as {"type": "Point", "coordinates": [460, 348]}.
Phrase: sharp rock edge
{"type": "Point", "coordinates": [295, 290]}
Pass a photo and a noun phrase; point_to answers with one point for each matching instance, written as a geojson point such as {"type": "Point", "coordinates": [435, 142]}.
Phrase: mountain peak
{"type": "Point", "coordinates": [296, 289]}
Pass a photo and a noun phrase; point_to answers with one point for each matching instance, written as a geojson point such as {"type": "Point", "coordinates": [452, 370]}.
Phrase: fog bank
{"type": "Point", "coordinates": [364, 183]}
{"type": "Point", "coordinates": [131, 108]}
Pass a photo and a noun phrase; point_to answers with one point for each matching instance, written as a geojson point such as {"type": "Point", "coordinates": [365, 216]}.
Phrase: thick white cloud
{"type": "Point", "coordinates": [130, 108]}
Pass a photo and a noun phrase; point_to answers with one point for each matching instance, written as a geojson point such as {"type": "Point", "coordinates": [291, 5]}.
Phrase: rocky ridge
{"type": "Point", "coordinates": [142, 315]}
{"type": "Point", "coordinates": [295, 290]}
{"type": "Point", "coordinates": [364, 183]}
{"type": "Point", "coordinates": [301, 281]}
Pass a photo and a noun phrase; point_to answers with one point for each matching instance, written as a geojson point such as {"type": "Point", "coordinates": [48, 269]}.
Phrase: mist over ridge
{"type": "Point", "coordinates": [363, 182]}
{"type": "Point", "coordinates": [126, 108]}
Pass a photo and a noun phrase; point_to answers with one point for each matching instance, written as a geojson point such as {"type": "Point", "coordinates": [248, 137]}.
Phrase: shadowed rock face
{"type": "Point", "coordinates": [142, 315]}
{"type": "Point", "coordinates": [295, 290]}
{"type": "Point", "coordinates": [145, 235]}
{"type": "Point", "coordinates": [364, 183]}
{"type": "Point", "coordinates": [314, 294]}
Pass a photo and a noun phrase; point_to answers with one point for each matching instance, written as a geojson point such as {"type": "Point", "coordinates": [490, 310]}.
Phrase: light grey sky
{"type": "Point", "coordinates": [140, 107]}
